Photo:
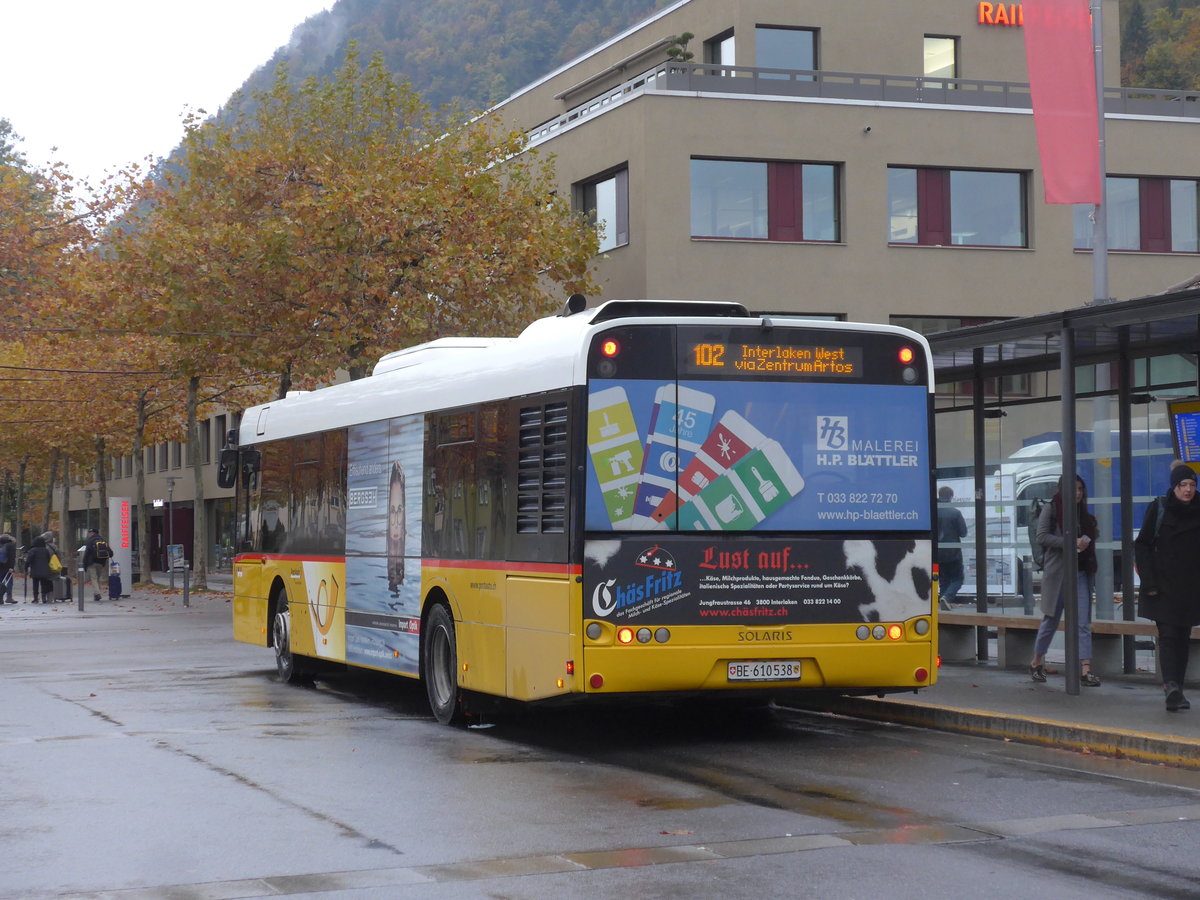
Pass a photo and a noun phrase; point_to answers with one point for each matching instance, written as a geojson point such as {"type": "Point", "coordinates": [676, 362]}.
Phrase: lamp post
{"type": "Point", "coordinates": [171, 479]}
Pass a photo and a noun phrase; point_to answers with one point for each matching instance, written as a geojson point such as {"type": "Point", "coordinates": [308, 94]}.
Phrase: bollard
{"type": "Point", "coordinates": [79, 578]}
{"type": "Point", "coordinates": [1027, 583]}
{"type": "Point", "coordinates": [187, 580]}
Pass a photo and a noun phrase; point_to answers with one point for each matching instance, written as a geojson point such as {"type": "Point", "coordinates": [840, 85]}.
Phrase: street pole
{"type": "Point", "coordinates": [170, 531]}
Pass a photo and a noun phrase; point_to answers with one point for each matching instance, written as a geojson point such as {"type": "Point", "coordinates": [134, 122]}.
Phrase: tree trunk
{"type": "Point", "coordinates": [139, 501]}
{"type": "Point", "coordinates": [21, 537]}
{"type": "Point", "coordinates": [50, 490]}
{"type": "Point", "coordinates": [199, 513]}
{"type": "Point", "coordinates": [65, 540]}
{"type": "Point", "coordinates": [285, 382]}
{"type": "Point", "coordinates": [102, 488]}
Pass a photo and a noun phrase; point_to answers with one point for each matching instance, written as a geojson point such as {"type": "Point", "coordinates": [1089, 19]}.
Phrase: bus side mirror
{"type": "Point", "coordinates": [251, 463]}
{"type": "Point", "coordinates": [227, 469]}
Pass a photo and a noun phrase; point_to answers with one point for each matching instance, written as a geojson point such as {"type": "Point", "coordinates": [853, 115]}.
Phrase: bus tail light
{"type": "Point", "coordinates": [895, 632]}
{"type": "Point", "coordinates": [921, 675]}
{"type": "Point", "coordinates": [625, 635]}
{"type": "Point", "coordinates": [570, 667]}
{"type": "Point", "coordinates": [596, 681]}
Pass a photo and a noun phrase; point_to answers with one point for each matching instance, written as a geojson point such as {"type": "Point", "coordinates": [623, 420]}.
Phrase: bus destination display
{"type": "Point", "coordinates": [773, 359]}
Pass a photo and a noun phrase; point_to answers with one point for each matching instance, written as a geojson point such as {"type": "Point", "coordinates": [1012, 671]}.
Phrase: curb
{"type": "Point", "coordinates": [1115, 743]}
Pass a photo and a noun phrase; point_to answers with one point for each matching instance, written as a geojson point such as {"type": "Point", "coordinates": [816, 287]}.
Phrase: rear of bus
{"type": "Point", "coordinates": [758, 508]}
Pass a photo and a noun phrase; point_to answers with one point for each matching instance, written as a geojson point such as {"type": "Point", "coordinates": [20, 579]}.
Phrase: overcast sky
{"type": "Point", "coordinates": [107, 82]}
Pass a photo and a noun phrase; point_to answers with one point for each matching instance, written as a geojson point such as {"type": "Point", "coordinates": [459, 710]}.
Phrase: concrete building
{"type": "Point", "coordinates": [873, 161]}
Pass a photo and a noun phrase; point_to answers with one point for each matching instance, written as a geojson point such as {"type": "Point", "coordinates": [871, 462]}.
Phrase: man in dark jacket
{"type": "Point", "coordinates": [1167, 550]}
{"type": "Point", "coordinates": [96, 556]}
{"type": "Point", "coordinates": [952, 528]}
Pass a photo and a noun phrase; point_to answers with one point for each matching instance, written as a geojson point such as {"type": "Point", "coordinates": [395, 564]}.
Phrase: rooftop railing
{"type": "Point", "coordinates": [856, 86]}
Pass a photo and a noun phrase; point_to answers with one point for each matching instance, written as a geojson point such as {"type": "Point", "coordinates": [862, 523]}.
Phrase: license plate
{"type": "Point", "coordinates": [765, 670]}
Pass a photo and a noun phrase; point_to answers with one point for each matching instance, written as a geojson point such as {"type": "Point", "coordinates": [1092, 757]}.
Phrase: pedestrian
{"type": "Point", "coordinates": [1057, 583]}
{"type": "Point", "coordinates": [96, 556]}
{"type": "Point", "coordinates": [1167, 550]}
{"type": "Point", "coordinates": [952, 528]}
{"type": "Point", "coordinates": [37, 567]}
{"type": "Point", "coordinates": [8, 558]}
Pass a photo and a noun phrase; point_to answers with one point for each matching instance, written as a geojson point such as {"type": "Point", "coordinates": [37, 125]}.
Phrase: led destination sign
{"type": "Point", "coordinates": [803, 360]}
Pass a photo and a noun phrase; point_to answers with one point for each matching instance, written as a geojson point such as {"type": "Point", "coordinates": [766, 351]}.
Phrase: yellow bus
{"type": "Point", "coordinates": [646, 497]}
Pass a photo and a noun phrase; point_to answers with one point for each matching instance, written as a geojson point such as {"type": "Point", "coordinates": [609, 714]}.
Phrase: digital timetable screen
{"type": "Point", "coordinates": [1185, 428]}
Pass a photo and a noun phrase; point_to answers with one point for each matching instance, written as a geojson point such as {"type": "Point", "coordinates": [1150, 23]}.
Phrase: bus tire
{"type": "Point", "coordinates": [439, 665]}
{"type": "Point", "coordinates": [289, 667]}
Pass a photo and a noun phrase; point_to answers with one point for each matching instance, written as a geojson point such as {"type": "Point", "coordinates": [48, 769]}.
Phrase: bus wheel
{"type": "Point", "coordinates": [290, 671]}
{"type": "Point", "coordinates": [439, 658]}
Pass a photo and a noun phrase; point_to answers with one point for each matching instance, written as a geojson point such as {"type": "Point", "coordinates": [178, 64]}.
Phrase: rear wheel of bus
{"type": "Point", "coordinates": [291, 670]}
{"type": "Point", "coordinates": [439, 665]}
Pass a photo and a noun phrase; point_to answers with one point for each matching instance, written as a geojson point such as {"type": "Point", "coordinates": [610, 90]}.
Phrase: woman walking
{"type": "Point", "coordinates": [1167, 550]}
{"type": "Point", "coordinates": [1057, 583]}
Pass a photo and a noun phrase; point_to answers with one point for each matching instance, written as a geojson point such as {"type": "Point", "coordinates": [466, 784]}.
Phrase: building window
{"type": "Point", "coordinates": [176, 454]}
{"type": "Point", "coordinates": [164, 450]}
{"type": "Point", "coordinates": [966, 207]}
{"type": "Point", "coordinates": [785, 48]}
{"type": "Point", "coordinates": [1153, 215]}
{"type": "Point", "coordinates": [719, 51]}
{"type": "Point", "coordinates": [941, 59]}
{"type": "Point", "coordinates": [606, 201]}
{"type": "Point", "coordinates": [774, 201]}
{"type": "Point", "coordinates": [151, 456]}
{"type": "Point", "coordinates": [204, 438]}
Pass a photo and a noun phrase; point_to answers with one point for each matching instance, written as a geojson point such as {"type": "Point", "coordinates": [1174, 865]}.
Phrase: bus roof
{"type": "Point", "coordinates": [549, 354]}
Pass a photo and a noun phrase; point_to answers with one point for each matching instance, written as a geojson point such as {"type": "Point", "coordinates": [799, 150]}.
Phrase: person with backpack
{"type": "Point", "coordinates": [8, 558]}
{"type": "Point", "coordinates": [1167, 551]}
{"type": "Point", "coordinates": [952, 528]}
{"type": "Point", "coordinates": [96, 555]}
{"type": "Point", "coordinates": [1058, 584]}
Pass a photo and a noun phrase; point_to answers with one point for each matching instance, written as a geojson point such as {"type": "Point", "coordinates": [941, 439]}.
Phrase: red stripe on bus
{"type": "Point", "coordinates": [555, 568]}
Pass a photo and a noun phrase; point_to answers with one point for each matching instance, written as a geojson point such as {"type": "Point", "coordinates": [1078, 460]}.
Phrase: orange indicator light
{"type": "Point", "coordinates": [895, 632]}
{"type": "Point", "coordinates": [610, 348]}
{"type": "Point", "coordinates": [906, 355]}
{"type": "Point", "coordinates": [625, 635]}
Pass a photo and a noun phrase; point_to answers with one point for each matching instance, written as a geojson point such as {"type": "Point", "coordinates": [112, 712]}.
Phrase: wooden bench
{"type": "Point", "coordinates": [1015, 636]}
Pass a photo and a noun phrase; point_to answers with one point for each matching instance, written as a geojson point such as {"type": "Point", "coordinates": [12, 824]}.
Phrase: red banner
{"type": "Point", "coordinates": [1062, 83]}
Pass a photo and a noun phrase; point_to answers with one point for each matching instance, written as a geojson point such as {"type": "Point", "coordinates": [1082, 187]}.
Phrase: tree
{"type": "Point", "coordinates": [354, 220]}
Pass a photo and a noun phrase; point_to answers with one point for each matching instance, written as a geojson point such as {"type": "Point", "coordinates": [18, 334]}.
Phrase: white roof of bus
{"type": "Point", "coordinates": [549, 354]}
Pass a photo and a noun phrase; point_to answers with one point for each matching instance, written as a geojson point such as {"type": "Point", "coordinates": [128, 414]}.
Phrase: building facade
{"type": "Point", "coordinates": [874, 161]}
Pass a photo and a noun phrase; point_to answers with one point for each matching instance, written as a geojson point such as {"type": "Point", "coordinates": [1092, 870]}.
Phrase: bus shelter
{"type": "Point", "coordinates": [1021, 401]}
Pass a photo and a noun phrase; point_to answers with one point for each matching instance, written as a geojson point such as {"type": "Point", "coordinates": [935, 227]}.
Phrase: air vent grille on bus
{"type": "Point", "coordinates": [542, 470]}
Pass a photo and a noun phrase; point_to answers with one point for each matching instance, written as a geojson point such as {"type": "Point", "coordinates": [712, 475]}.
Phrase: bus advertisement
{"type": "Point", "coordinates": [648, 497]}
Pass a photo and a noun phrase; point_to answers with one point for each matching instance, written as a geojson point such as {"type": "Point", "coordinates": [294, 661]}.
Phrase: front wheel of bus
{"type": "Point", "coordinates": [440, 665]}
